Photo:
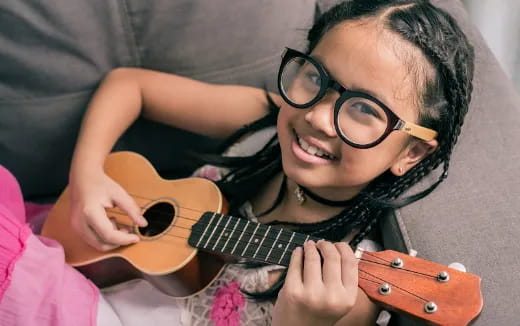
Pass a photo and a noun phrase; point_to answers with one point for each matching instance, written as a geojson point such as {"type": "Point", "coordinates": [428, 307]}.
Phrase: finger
{"type": "Point", "coordinates": [91, 238]}
{"type": "Point", "coordinates": [294, 272]}
{"type": "Point", "coordinates": [105, 230]}
{"type": "Point", "coordinates": [128, 204]}
{"type": "Point", "coordinates": [331, 263]}
{"type": "Point", "coordinates": [121, 227]}
{"type": "Point", "coordinates": [311, 264]}
{"type": "Point", "coordinates": [349, 265]}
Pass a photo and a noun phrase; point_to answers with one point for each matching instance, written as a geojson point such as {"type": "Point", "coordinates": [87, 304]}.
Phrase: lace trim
{"type": "Point", "coordinates": [197, 309]}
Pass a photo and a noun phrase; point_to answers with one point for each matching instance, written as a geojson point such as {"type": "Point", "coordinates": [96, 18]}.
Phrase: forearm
{"type": "Point", "coordinates": [210, 110]}
{"type": "Point", "coordinates": [364, 312]}
{"type": "Point", "coordinates": [113, 108]}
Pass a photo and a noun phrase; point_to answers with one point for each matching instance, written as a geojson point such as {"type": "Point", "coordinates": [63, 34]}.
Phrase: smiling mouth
{"type": "Point", "coordinates": [312, 150]}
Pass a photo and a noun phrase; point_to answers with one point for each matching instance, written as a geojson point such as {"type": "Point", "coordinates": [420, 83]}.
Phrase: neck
{"type": "Point", "coordinates": [302, 193]}
{"type": "Point", "coordinates": [289, 209]}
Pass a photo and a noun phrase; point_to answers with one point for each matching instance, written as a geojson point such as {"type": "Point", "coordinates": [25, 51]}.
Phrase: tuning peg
{"type": "Point", "coordinates": [457, 266]}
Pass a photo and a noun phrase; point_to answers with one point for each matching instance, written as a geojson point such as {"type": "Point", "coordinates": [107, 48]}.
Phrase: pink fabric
{"type": "Point", "coordinates": [36, 215]}
{"type": "Point", "coordinates": [227, 305]}
{"type": "Point", "coordinates": [33, 210]}
{"type": "Point", "coordinates": [36, 286]}
{"type": "Point", "coordinates": [11, 195]}
{"type": "Point", "coordinates": [13, 236]}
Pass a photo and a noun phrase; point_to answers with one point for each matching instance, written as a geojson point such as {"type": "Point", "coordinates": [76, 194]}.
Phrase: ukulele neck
{"type": "Point", "coordinates": [239, 237]}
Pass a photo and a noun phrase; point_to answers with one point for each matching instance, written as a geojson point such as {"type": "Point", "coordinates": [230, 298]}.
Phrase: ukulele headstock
{"type": "Point", "coordinates": [428, 291]}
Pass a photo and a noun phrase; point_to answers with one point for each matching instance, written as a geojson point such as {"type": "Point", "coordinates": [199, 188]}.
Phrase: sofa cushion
{"type": "Point", "coordinates": [53, 55]}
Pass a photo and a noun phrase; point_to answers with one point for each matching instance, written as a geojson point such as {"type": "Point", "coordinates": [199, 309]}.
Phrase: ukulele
{"type": "Point", "coordinates": [187, 220]}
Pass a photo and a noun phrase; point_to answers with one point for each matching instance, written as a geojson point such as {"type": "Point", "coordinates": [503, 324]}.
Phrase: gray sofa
{"type": "Point", "coordinates": [53, 55]}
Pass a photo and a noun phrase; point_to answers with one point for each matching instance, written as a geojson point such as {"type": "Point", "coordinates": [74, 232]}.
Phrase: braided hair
{"type": "Point", "coordinates": [443, 103]}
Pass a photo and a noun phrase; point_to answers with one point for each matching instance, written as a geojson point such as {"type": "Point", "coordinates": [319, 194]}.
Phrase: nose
{"type": "Point", "coordinates": [321, 115]}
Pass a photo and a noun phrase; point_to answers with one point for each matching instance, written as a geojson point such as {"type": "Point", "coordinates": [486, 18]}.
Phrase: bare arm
{"type": "Point", "coordinates": [124, 95]}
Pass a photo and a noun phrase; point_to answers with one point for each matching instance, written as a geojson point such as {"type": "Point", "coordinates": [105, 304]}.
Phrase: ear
{"type": "Point", "coordinates": [413, 153]}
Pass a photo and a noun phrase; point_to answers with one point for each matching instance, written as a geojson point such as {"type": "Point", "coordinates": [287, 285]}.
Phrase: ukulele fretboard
{"type": "Point", "coordinates": [242, 238]}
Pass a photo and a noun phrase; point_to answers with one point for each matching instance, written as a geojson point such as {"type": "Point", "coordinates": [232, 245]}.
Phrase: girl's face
{"type": "Point", "coordinates": [361, 56]}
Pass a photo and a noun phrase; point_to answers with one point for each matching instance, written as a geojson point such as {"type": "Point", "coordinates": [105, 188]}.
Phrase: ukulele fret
{"type": "Point", "coordinates": [240, 237]}
{"type": "Point", "coordinates": [261, 242]}
{"type": "Point", "coordinates": [264, 248]}
{"type": "Point", "coordinates": [205, 230]}
{"type": "Point", "coordinates": [274, 243]}
{"type": "Point", "coordinates": [212, 232]}
{"type": "Point", "coordinates": [231, 234]}
{"type": "Point", "coordinates": [285, 250]}
{"type": "Point", "coordinates": [252, 238]}
{"type": "Point", "coordinates": [221, 233]}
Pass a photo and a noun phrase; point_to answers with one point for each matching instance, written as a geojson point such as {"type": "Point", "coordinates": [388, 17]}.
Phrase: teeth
{"type": "Point", "coordinates": [313, 150]}
{"type": "Point", "coordinates": [303, 144]}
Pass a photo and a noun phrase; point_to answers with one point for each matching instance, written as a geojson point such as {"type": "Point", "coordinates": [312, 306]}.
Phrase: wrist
{"type": "Point", "coordinates": [84, 169]}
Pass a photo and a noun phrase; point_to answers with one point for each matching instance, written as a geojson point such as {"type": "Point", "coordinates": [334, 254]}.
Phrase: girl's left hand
{"type": "Point", "coordinates": [316, 294]}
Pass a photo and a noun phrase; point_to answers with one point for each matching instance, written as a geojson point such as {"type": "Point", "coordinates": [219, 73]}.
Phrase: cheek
{"type": "Point", "coordinates": [360, 166]}
{"type": "Point", "coordinates": [357, 166]}
{"type": "Point", "coordinates": [285, 116]}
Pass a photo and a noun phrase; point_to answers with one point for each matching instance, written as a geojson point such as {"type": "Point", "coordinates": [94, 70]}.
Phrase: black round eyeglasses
{"type": "Point", "coordinates": [361, 120]}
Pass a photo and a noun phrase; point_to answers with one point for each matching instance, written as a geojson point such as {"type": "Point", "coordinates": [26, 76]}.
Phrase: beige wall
{"type": "Point", "coordinates": [499, 23]}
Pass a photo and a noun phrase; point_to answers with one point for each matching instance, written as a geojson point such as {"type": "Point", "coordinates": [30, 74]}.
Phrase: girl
{"type": "Point", "coordinates": [375, 104]}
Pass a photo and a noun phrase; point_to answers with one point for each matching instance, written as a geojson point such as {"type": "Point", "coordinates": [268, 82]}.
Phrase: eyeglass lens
{"type": "Point", "coordinates": [360, 120]}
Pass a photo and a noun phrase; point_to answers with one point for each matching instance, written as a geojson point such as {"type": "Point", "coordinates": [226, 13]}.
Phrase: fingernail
{"type": "Point", "coordinates": [310, 242]}
{"type": "Point", "coordinates": [143, 221]}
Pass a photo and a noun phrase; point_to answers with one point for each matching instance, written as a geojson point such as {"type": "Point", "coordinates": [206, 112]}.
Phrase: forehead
{"type": "Point", "coordinates": [362, 55]}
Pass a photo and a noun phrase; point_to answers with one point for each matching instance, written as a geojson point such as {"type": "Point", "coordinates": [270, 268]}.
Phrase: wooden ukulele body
{"type": "Point", "coordinates": [163, 256]}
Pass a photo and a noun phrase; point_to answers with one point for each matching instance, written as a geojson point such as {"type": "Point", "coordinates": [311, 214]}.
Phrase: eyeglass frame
{"type": "Point", "coordinates": [327, 82]}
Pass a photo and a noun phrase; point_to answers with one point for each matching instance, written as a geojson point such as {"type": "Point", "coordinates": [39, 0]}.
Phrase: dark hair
{"type": "Point", "coordinates": [443, 101]}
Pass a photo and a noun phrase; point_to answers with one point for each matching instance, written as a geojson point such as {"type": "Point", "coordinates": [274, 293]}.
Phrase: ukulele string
{"type": "Point", "coordinates": [249, 233]}
{"type": "Point", "coordinates": [387, 263]}
{"type": "Point", "coordinates": [290, 245]}
{"type": "Point", "coordinates": [275, 250]}
{"type": "Point", "coordinates": [393, 285]}
{"type": "Point", "coordinates": [150, 199]}
{"type": "Point", "coordinates": [165, 225]}
{"type": "Point", "coordinates": [373, 256]}
{"type": "Point", "coordinates": [378, 283]}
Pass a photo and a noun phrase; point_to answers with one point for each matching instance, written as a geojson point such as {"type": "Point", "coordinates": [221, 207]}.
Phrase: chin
{"type": "Point", "coordinates": [306, 177]}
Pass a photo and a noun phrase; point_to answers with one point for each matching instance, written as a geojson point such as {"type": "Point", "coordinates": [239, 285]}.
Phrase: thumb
{"type": "Point", "coordinates": [124, 201]}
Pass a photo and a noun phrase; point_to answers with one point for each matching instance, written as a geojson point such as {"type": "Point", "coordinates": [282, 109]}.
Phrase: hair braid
{"type": "Point", "coordinates": [447, 49]}
{"type": "Point", "coordinates": [366, 229]}
{"type": "Point", "coordinates": [444, 101]}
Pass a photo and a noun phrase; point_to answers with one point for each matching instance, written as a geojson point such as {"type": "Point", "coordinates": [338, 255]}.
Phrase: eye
{"type": "Point", "coordinates": [365, 108]}
{"type": "Point", "coordinates": [313, 77]}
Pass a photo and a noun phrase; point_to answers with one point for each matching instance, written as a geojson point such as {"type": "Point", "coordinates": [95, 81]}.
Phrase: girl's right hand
{"type": "Point", "coordinates": [91, 193]}
{"type": "Point", "coordinates": [317, 293]}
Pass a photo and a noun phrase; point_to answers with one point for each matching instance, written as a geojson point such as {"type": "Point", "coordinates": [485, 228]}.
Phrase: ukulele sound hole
{"type": "Point", "coordinates": [159, 217]}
